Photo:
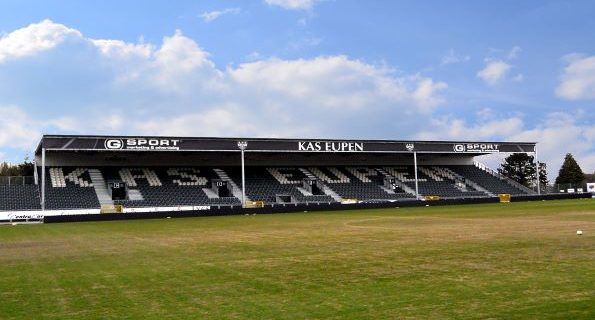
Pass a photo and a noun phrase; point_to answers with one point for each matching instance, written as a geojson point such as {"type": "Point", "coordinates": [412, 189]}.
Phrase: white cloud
{"type": "Point", "coordinates": [558, 134]}
{"type": "Point", "coordinates": [494, 71]}
{"type": "Point", "coordinates": [518, 78]}
{"type": "Point", "coordinates": [514, 52]}
{"type": "Point", "coordinates": [253, 56]}
{"type": "Point", "coordinates": [336, 82]}
{"type": "Point", "coordinates": [17, 129]}
{"type": "Point", "coordinates": [578, 79]}
{"type": "Point", "coordinates": [213, 15]}
{"type": "Point", "coordinates": [292, 4]}
{"type": "Point", "coordinates": [35, 38]}
{"type": "Point", "coordinates": [305, 42]}
{"type": "Point", "coordinates": [447, 128]}
{"type": "Point", "coordinates": [225, 120]}
{"type": "Point", "coordinates": [174, 88]}
{"type": "Point", "coordinates": [179, 60]}
{"type": "Point", "coordinates": [121, 49]}
{"type": "Point", "coordinates": [452, 57]}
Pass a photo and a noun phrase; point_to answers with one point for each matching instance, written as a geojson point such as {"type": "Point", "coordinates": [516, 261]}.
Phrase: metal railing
{"type": "Point", "coordinates": [503, 177]}
{"type": "Point", "coordinates": [16, 180]}
{"type": "Point", "coordinates": [568, 188]}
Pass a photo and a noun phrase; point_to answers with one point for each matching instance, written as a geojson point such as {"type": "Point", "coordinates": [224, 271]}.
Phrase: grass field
{"type": "Point", "coordinates": [504, 261]}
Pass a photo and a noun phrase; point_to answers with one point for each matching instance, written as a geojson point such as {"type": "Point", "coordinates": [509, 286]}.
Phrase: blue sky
{"type": "Point", "coordinates": [479, 70]}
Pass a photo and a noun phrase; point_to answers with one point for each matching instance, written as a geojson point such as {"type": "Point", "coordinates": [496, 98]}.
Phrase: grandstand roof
{"type": "Point", "coordinates": [67, 143]}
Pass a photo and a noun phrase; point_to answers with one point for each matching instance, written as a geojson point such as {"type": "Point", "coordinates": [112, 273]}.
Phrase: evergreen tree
{"type": "Point", "coordinates": [543, 180]}
{"type": "Point", "coordinates": [520, 167]}
{"type": "Point", "coordinates": [22, 169]}
{"type": "Point", "coordinates": [570, 172]}
{"type": "Point", "coordinates": [26, 168]}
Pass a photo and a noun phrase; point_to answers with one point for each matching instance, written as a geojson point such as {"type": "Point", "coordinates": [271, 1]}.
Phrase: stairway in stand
{"type": "Point", "coordinates": [237, 191]}
{"type": "Point", "coordinates": [100, 187]}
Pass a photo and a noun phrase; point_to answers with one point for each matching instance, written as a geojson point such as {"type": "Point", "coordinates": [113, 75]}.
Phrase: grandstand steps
{"type": "Point", "coordinates": [325, 188]}
{"type": "Point", "coordinates": [331, 193]}
{"type": "Point", "coordinates": [237, 191]}
{"type": "Point", "coordinates": [519, 186]}
{"type": "Point", "coordinates": [398, 182]}
{"type": "Point", "coordinates": [430, 173]}
{"type": "Point", "coordinates": [503, 178]}
{"type": "Point", "coordinates": [135, 195]}
{"type": "Point", "coordinates": [461, 187]}
{"type": "Point", "coordinates": [469, 182]}
{"type": "Point", "coordinates": [308, 173]}
{"type": "Point", "coordinates": [387, 190]}
{"type": "Point", "coordinates": [100, 187]}
{"type": "Point", "coordinates": [304, 191]}
{"type": "Point", "coordinates": [210, 193]}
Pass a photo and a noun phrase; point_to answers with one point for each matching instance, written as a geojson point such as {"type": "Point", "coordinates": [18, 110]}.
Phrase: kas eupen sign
{"type": "Point", "coordinates": [330, 146]}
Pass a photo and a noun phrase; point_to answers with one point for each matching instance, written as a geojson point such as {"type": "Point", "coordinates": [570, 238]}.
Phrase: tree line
{"type": "Point", "coordinates": [22, 169]}
{"type": "Point", "coordinates": [521, 168]}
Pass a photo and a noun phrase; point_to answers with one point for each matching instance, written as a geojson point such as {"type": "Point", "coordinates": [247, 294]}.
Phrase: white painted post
{"type": "Point", "coordinates": [243, 182]}
{"type": "Point", "coordinates": [35, 178]}
{"type": "Point", "coordinates": [415, 168]}
{"type": "Point", "coordinates": [43, 179]}
{"type": "Point", "coordinates": [243, 145]}
{"type": "Point", "coordinates": [537, 167]}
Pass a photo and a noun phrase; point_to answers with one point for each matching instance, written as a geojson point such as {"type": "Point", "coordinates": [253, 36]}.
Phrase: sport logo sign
{"type": "Point", "coordinates": [142, 144]}
{"type": "Point", "coordinates": [113, 144]}
{"type": "Point", "coordinates": [477, 147]}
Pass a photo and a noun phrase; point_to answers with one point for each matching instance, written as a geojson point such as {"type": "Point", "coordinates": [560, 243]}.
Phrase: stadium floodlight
{"type": "Point", "coordinates": [243, 145]}
{"type": "Point", "coordinates": [537, 169]}
{"type": "Point", "coordinates": [415, 172]}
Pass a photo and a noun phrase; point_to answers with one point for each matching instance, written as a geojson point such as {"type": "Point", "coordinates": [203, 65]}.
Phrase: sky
{"type": "Point", "coordinates": [421, 70]}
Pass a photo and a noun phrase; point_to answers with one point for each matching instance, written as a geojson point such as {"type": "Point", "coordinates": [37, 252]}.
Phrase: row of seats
{"type": "Point", "coordinates": [167, 187]}
{"type": "Point", "coordinates": [58, 178]}
{"type": "Point", "coordinates": [72, 187]}
{"type": "Point", "coordinates": [265, 184]}
{"type": "Point", "coordinates": [330, 175]}
{"type": "Point", "coordinates": [19, 197]}
{"type": "Point", "coordinates": [438, 185]}
{"type": "Point", "coordinates": [486, 180]}
{"type": "Point", "coordinates": [360, 183]}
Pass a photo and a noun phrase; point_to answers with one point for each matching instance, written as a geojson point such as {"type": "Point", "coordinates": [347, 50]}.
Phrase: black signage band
{"type": "Point", "coordinates": [280, 145]}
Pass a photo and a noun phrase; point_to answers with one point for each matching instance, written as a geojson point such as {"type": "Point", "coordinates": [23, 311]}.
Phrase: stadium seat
{"type": "Point", "coordinates": [19, 197]}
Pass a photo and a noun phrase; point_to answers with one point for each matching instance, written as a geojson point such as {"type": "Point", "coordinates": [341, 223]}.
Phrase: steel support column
{"type": "Point", "coordinates": [415, 169]}
{"type": "Point", "coordinates": [43, 179]}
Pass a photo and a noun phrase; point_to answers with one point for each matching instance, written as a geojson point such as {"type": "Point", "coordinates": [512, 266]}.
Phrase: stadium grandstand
{"type": "Point", "coordinates": [94, 174]}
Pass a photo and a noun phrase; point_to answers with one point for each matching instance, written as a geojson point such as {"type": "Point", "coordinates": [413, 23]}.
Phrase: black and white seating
{"type": "Point", "coordinates": [266, 184]}
{"type": "Point", "coordinates": [167, 187]}
{"type": "Point", "coordinates": [487, 180]}
{"type": "Point", "coordinates": [69, 188]}
{"type": "Point", "coordinates": [19, 197]}
{"type": "Point", "coordinates": [362, 183]}
{"type": "Point", "coordinates": [73, 187]}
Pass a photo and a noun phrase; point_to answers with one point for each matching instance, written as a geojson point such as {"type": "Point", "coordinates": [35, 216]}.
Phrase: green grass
{"type": "Point", "coordinates": [500, 261]}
